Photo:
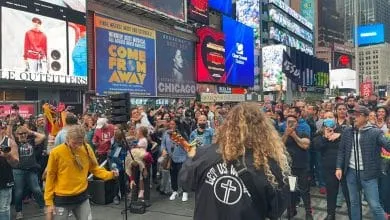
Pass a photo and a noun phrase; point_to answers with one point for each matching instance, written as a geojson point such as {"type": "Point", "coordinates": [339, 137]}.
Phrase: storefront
{"type": "Point", "coordinates": [44, 53]}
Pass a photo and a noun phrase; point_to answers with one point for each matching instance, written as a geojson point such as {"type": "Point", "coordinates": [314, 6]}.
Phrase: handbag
{"type": "Point", "coordinates": [166, 163]}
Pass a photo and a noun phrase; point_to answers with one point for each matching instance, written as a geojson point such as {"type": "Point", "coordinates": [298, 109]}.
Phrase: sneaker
{"type": "Point", "coordinates": [19, 215]}
{"type": "Point", "coordinates": [185, 197]}
{"type": "Point", "coordinates": [116, 200]}
{"type": "Point", "coordinates": [173, 196]}
{"type": "Point", "coordinates": [323, 191]}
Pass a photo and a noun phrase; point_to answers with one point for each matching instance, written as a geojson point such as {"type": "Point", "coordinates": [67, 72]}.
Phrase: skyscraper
{"type": "Point", "coordinates": [370, 12]}
{"type": "Point", "coordinates": [330, 24]}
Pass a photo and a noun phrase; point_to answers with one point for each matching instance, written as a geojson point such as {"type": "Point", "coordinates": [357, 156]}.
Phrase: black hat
{"type": "Point", "coordinates": [14, 106]}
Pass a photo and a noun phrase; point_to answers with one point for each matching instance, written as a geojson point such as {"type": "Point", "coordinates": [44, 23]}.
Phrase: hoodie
{"type": "Point", "coordinates": [370, 141]}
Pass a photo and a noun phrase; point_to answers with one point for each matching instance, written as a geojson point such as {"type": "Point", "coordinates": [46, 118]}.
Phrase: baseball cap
{"type": "Point", "coordinates": [362, 110]}
{"type": "Point", "coordinates": [101, 122]}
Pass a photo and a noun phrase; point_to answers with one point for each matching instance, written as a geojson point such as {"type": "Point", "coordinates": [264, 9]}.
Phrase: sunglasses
{"type": "Point", "coordinates": [23, 133]}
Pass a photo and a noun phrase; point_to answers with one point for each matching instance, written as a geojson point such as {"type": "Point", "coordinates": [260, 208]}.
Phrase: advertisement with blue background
{"type": "Point", "coordinates": [239, 53]}
{"type": "Point", "coordinates": [307, 10]}
{"type": "Point", "coordinates": [125, 58]}
{"type": "Point", "coordinates": [371, 34]}
{"type": "Point", "coordinates": [223, 6]}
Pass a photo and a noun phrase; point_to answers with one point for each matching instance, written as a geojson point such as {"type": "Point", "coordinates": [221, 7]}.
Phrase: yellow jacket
{"type": "Point", "coordinates": [65, 178]}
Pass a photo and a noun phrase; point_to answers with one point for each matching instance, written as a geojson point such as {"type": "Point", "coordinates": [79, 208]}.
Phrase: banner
{"type": "Point", "coordinates": [43, 42]}
{"type": "Point", "coordinates": [125, 58]}
{"type": "Point", "coordinates": [210, 56]}
{"type": "Point", "coordinates": [198, 10]}
{"type": "Point", "coordinates": [171, 8]}
{"type": "Point", "coordinates": [290, 69]}
{"type": "Point", "coordinates": [175, 66]}
{"type": "Point", "coordinates": [366, 89]}
{"type": "Point", "coordinates": [25, 110]}
{"type": "Point", "coordinates": [239, 53]}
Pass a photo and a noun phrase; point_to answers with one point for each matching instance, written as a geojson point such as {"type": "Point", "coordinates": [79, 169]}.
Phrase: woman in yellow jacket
{"type": "Point", "coordinates": [66, 181]}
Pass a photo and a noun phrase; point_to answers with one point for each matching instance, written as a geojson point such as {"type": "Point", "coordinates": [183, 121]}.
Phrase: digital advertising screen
{"type": "Point", "coordinates": [341, 60]}
{"type": "Point", "coordinates": [125, 58]}
{"type": "Point", "coordinates": [239, 52]}
{"type": "Point", "coordinates": [210, 53]}
{"type": "Point", "coordinates": [273, 77]}
{"type": "Point", "coordinates": [248, 13]}
{"type": "Point", "coordinates": [371, 34]}
{"type": "Point", "coordinates": [49, 42]}
{"type": "Point", "coordinates": [171, 8]}
{"type": "Point", "coordinates": [198, 10]}
{"type": "Point", "coordinates": [281, 19]}
{"type": "Point", "coordinates": [223, 6]}
{"type": "Point", "coordinates": [280, 4]}
{"type": "Point", "coordinates": [307, 10]}
{"type": "Point", "coordinates": [176, 68]}
{"type": "Point", "coordinates": [288, 40]}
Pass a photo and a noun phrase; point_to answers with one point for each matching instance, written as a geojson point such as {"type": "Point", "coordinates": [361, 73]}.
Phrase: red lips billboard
{"type": "Point", "coordinates": [210, 53]}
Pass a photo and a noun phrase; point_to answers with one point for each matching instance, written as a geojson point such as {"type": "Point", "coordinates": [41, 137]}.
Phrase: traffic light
{"type": "Point", "coordinates": [120, 108]}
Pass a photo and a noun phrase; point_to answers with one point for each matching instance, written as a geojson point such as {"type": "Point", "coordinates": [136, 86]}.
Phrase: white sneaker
{"type": "Point", "coordinates": [185, 197]}
{"type": "Point", "coordinates": [19, 215]}
{"type": "Point", "coordinates": [173, 196]}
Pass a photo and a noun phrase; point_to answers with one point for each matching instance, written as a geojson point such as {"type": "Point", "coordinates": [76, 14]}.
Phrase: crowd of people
{"type": "Point", "coordinates": [244, 155]}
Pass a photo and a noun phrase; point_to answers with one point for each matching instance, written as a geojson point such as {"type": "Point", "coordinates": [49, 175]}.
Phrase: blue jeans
{"type": "Point", "coordinates": [30, 178]}
{"type": "Point", "coordinates": [5, 203]}
{"type": "Point", "coordinates": [371, 193]}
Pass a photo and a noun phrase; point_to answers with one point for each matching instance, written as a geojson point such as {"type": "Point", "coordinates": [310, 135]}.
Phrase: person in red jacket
{"type": "Point", "coordinates": [102, 138]}
{"type": "Point", "coordinates": [35, 47]}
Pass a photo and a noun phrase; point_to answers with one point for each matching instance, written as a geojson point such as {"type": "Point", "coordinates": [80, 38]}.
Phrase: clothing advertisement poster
{"type": "Point", "coordinates": [175, 69]}
{"type": "Point", "coordinates": [210, 54]}
{"type": "Point", "coordinates": [48, 41]}
{"type": "Point", "coordinates": [125, 58]}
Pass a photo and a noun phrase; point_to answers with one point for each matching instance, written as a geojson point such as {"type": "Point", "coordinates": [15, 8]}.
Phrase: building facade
{"type": "Point", "coordinates": [370, 12]}
{"type": "Point", "coordinates": [374, 64]}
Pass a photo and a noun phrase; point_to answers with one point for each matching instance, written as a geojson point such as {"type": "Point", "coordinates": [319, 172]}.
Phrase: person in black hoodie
{"type": "Point", "coordinates": [327, 142]}
{"type": "Point", "coordinates": [242, 176]}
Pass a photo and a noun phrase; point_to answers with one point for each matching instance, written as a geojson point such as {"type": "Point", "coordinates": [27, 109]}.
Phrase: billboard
{"type": "Point", "coordinates": [77, 5]}
{"type": "Point", "coordinates": [283, 20]}
{"type": "Point", "coordinates": [248, 13]}
{"type": "Point", "coordinates": [223, 6]}
{"type": "Point", "coordinates": [175, 68]}
{"type": "Point", "coordinates": [25, 110]}
{"type": "Point", "coordinates": [273, 77]}
{"type": "Point", "coordinates": [239, 53]}
{"type": "Point", "coordinates": [307, 10]}
{"type": "Point", "coordinates": [48, 41]}
{"type": "Point", "coordinates": [371, 34]}
{"type": "Point", "coordinates": [341, 61]}
{"type": "Point", "coordinates": [198, 10]}
{"type": "Point", "coordinates": [125, 58]}
{"type": "Point", "coordinates": [280, 4]}
{"type": "Point", "coordinates": [210, 56]}
{"type": "Point", "coordinates": [170, 8]}
{"type": "Point", "coordinates": [366, 89]}
{"type": "Point", "coordinates": [288, 40]}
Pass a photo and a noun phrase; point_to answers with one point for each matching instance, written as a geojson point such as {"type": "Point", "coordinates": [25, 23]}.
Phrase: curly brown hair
{"type": "Point", "coordinates": [247, 127]}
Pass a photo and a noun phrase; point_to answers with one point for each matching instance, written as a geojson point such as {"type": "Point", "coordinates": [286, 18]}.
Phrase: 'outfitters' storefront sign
{"type": "Point", "coordinates": [41, 77]}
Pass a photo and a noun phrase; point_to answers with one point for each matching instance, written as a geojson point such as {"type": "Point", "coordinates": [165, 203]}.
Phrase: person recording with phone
{"type": "Point", "coordinates": [9, 157]}
{"type": "Point", "coordinates": [359, 160]}
{"type": "Point", "coordinates": [297, 140]}
{"type": "Point", "coordinates": [328, 144]}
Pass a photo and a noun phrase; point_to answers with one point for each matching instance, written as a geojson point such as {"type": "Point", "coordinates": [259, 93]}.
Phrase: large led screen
{"type": "Point", "coordinates": [223, 6]}
{"type": "Point", "coordinates": [210, 53]}
{"type": "Point", "coordinates": [371, 34]}
{"type": "Point", "coordinates": [273, 77]}
{"type": "Point", "coordinates": [288, 40]}
{"type": "Point", "coordinates": [239, 53]}
{"type": "Point", "coordinates": [49, 46]}
{"type": "Point", "coordinates": [248, 13]}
